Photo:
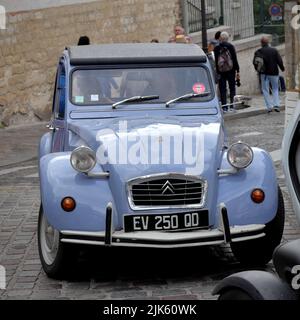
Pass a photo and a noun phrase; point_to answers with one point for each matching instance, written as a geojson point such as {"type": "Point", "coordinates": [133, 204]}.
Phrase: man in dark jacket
{"type": "Point", "coordinates": [227, 68]}
{"type": "Point", "coordinates": [270, 74]}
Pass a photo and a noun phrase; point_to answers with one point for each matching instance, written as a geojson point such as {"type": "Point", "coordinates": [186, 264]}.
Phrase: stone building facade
{"type": "Point", "coordinates": [37, 32]}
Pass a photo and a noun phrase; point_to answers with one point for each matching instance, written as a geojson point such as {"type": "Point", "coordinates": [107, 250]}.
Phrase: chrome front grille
{"type": "Point", "coordinates": [172, 190]}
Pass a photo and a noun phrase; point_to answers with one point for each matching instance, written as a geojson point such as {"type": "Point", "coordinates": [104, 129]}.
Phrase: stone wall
{"type": "Point", "coordinates": [34, 39]}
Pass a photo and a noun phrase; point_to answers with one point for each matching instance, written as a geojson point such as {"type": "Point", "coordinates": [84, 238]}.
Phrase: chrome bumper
{"type": "Point", "coordinates": [165, 239]}
{"type": "Point", "coordinates": [158, 239]}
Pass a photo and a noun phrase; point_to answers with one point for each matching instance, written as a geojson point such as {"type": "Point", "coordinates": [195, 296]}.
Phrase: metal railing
{"type": "Point", "coordinates": [242, 16]}
{"type": "Point", "coordinates": [214, 14]}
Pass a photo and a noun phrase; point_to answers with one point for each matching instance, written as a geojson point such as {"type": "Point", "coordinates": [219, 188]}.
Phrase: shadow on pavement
{"type": "Point", "coordinates": [148, 265]}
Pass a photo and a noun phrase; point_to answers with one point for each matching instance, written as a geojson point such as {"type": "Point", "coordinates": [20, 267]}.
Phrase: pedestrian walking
{"type": "Point", "coordinates": [266, 62]}
{"type": "Point", "coordinates": [211, 47]}
{"type": "Point", "coordinates": [211, 57]}
{"type": "Point", "coordinates": [227, 68]}
{"type": "Point", "coordinates": [218, 36]}
{"type": "Point", "coordinates": [180, 36]}
{"type": "Point", "coordinates": [83, 41]}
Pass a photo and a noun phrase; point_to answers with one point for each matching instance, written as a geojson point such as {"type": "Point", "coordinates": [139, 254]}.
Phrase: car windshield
{"type": "Point", "coordinates": [108, 86]}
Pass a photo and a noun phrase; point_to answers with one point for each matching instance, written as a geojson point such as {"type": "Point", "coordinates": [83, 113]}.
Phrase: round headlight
{"type": "Point", "coordinates": [83, 159]}
{"type": "Point", "coordinates": [240, 155]}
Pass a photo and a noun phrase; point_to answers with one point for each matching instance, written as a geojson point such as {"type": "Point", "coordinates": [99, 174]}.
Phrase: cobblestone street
{"type": "Point", "coordinates": [117, 273]}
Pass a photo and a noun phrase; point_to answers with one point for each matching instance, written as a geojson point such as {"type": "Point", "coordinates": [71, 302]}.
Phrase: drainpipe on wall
{"type": "Point", "coordinates": [221, 19]}
{"type": "Point", "coordinates": [204, 27]}
{"type": "Point", "coordinates": [262, 15]}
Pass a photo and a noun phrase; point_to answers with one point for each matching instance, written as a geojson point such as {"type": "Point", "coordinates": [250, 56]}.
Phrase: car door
{"type": "Point", "coordinates": [58, 123]}
{"type": "Point", "coordinates": [291, 158]}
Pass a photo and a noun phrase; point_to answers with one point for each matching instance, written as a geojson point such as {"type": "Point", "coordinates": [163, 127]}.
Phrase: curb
{"type": "Point", "coordinates": [237, 115]}
{"type": "Point", "coordinates": [26, 125]}
{"type": "Point", "coordinates": [227, 116]}
{"type": "Point", "coordinates": [12, 164]}
{"type": "Point", "coordinates": [247, 113]}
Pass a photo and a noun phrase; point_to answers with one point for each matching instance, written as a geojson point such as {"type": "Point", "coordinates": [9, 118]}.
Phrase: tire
{"type": "Point", "coordinates": [56, 257]}
{"type": "Point", "coordinates": [259, 252]}
{"type": "Point", "coordinates": [234, 294]}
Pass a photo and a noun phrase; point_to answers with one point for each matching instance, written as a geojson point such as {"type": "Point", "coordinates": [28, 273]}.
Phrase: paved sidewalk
{"type": "Point", "coordinates": [20, 143]}
{"type": "Point", "coordinates": [257, 107]}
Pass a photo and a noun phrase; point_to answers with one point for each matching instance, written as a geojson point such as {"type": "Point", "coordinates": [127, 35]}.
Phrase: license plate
{"type": "Point", "coordinates": [169, 222]}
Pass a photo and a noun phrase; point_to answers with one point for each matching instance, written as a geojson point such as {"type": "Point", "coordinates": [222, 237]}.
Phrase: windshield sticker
{"type": "Point", "coordinates": [95, 97]}
{"type": "Point", "coordinates": [199, 87]}
{"type": "Point", "coordinates": [79, 99]}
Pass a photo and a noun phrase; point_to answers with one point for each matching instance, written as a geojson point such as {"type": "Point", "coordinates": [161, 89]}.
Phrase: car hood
{"type": "Point", "coordinates": [139, 147]}
{"type": "Point", "coordinates": [201, 155]}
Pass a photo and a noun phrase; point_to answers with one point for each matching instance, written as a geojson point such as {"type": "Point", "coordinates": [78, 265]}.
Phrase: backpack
{"type": "Point", "coordinates": [259, 62]}
{"type": "Point", "coordinates": [225, 62]}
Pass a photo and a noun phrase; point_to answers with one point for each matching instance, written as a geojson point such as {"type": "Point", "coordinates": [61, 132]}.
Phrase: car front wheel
{"type": "Point", "coordinates": [259, 251]}
{"type": "Point", "coordinates": [56, 257]}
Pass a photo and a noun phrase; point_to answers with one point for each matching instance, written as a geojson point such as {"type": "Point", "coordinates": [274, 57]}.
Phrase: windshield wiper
{"type": "Point", "coordinates": [187, 97]}
{"type": "Point", "coordinates": [135, 99]}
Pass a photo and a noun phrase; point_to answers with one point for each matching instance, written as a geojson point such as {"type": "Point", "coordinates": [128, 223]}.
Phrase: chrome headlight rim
{"type": "Point", "coordinates": [242, 166]}
{"type": "Point", "coordinates": [89, 152]}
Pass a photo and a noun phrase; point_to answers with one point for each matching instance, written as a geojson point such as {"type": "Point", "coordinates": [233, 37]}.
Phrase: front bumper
{"type": "Point", "coordinates": [160, 239]}
{"type": "Point", "coordinates": [165, 239]}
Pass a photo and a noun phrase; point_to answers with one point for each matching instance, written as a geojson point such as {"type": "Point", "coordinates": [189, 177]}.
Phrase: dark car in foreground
{"type": "Point", "coordinates": [285, 283]}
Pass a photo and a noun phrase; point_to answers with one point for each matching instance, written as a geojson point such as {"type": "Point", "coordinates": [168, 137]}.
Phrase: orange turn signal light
{"type": "Point", "coordinates": [68, 204]}
{"type": "Point", "coordinates": [257, 196]}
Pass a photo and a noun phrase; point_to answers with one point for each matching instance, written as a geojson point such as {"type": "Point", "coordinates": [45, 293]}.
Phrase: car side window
{"type": "Point", "coordinates": [60, 93]}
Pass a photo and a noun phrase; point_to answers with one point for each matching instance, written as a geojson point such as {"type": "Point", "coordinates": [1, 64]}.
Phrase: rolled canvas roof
{"type": "Point", "coordinates": [135, 53]}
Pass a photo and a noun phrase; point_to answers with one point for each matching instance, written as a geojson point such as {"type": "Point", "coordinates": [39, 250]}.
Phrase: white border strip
{"type": "Point", "coordinates": [27, 5]}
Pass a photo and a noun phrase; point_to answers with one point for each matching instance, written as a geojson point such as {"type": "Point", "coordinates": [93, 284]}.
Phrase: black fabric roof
{"type": "Point", "coordinates": [135, 53]}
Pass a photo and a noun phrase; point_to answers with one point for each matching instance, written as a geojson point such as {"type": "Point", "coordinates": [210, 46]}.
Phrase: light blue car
{"type": "Point", "coordinates": [137, 156]}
